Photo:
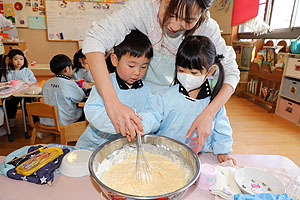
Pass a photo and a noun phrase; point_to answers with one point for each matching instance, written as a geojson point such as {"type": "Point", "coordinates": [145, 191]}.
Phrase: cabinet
{"type": "Point", "coordinates": [10, 45]}
{"type": "Point", "coordinates": [263, 85]}
{"type": "Point", "coordinates": [289, 97]}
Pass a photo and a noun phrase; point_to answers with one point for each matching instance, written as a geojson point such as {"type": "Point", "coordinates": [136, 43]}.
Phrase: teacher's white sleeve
{"type": "Point", "coordinates": [211, 29]}
{"type": "Point", "coordinates": [111, 30]}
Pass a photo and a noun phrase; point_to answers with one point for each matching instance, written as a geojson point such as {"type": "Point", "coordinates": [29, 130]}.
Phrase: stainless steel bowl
{"type": "Point", "coordinates": [179, 149]}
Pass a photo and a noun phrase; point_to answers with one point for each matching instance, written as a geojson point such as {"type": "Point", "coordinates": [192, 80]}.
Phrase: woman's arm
{"type": "Point", "coordinates": [203, 122]}
{"type": "Point", "coordinates": [121, 115]}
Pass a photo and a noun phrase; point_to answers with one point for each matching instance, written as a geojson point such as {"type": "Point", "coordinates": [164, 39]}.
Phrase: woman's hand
{"type": "Point", "coordinates": [202, 124]}
{"type": "Point", "coordinates": [124, 120]}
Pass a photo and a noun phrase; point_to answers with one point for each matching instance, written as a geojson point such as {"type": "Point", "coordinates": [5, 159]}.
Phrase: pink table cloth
{"type": "Point", "coordinates": [85, 188]}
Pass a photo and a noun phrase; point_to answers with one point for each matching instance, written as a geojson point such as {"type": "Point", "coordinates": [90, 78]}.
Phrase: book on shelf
{"type": "Point", "coordinates": [275, 96]}
{"type": "Point", "coordinates": [269, 94]}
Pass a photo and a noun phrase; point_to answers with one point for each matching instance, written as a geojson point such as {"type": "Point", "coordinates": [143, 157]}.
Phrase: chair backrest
{"type": "Point", "coordinates": [72, 132]}
{"type": "Point", "coordinates": [42, 110]}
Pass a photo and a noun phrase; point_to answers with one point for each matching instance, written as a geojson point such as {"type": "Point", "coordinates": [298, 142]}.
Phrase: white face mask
{"type": "Point", "coordinates": [190, 82]}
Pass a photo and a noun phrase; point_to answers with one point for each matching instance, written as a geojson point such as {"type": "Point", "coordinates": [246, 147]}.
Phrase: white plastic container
{"type": "Point", "coordinates": [75, 163]}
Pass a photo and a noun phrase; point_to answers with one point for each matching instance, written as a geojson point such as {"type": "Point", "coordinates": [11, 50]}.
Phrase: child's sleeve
{"type": "Point", "coordinates": [88, 77]}
{"type": "Point", "coordinates": [153, 114]}
{"type": "Point", "coordinates": [75, 93]}
{"type": "Point", "coordinates": [222, 134]}
{"type": "Point", "coordinates": [31, 76]}
{"type": "Point", "coordinates": [95, 113]}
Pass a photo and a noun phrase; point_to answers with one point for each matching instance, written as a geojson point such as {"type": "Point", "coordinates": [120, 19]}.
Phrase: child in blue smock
{"type": "Point", "coordinates": [81, 68]}
{"type": "Point", "coordinates": [131, 59]}
{"type": "Point", "coordinates": [62, 92]}
{"type": "Point", "coordinates": [15, 67]}
{"type": "Point", "coordinates": [172, 111]}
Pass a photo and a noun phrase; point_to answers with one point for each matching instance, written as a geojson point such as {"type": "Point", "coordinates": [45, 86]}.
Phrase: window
{"type": "Point", "coordinates": [283, 17]}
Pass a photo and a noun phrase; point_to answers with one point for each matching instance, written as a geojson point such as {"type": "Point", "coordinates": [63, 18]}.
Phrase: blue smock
{"type": "Point", "coordinates": [101, 129]}
{"type": "Point", "coordinates": [82, 74]}
{"type": "Point", "coordinates": [65, 95]}
{"type": "Point", "coordinates": [24, 74]}
{"type": "Point", "coordinates": [171, 114]}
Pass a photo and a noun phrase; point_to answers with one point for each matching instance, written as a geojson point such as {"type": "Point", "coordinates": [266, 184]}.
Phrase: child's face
{"type": "Point", "coordinates": [194, 72]}
{"type": "Point", "coordinates": [129, 68]}
{"type": "Point", "coordinates": [18, 61]}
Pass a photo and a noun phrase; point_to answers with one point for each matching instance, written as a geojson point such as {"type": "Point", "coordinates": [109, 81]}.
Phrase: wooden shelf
{"type": "Point", "coordinates": [264, 77]}
{"type": "Point", "coordinates": [259, 99]}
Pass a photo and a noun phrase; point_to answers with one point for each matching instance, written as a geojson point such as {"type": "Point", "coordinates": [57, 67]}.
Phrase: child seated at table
{"type": "Point", "coordinates": [131, 59]}
{"type": "Point", "coordinates": [62, 92]}
{"type": "Point", "coordinates": [172, 111]}
{"type": "Point", "coordinates": [15, 67]}
{"type": "Point", "coordinates": [81, 68]}
{"type": "Point", "coordinates": [2, 130]}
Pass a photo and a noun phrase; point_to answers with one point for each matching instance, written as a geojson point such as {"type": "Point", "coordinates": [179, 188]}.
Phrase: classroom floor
{"type": "Point", "coordinates": [254, 131]}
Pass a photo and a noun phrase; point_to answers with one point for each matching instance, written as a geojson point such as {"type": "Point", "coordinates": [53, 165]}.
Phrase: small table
{"type": "Point", "coordinates": [85, 188]}
{"type": "Point", "coordinates": [22, 92]}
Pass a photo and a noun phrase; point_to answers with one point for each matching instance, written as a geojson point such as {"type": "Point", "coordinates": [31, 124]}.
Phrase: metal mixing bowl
{"type": "Point", "coordinates": [177, 148]}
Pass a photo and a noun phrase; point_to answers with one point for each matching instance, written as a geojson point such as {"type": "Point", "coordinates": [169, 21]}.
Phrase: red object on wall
{"type": "Point", "coordinates": [244, 10]}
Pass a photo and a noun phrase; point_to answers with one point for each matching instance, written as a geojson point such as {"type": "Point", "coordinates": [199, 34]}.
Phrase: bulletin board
{"type": "Point", "coordinates": [69, 20]}
{"type": "Point", "coordinates": [25, 13]}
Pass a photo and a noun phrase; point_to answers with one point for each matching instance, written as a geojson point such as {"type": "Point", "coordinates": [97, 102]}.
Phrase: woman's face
{"type": "Point", "coordinates": [173, 26]}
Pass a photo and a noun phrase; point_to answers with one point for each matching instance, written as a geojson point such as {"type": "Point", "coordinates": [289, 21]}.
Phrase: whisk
{"type": "Point", "coordinates": [142, 168]}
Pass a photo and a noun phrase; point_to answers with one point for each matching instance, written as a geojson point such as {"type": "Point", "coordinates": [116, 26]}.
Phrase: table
{"type": "Point", "coordinates": [85, 188]}
{"type": "Point", "coordinates": [20, 93]}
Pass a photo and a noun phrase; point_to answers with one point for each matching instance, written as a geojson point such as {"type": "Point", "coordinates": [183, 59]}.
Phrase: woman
{"type": "Point", "coordinates": [166, 23]}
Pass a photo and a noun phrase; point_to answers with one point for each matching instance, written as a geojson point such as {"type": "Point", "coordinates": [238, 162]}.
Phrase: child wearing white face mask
{"type": "Point", "coordinates": [172, 111]}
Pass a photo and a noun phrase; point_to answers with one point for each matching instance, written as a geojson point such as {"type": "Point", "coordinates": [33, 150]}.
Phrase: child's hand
{"type": "Point", "coordinates": [132, 135]}
{"type": "Point", "coordinates": [225, 157]}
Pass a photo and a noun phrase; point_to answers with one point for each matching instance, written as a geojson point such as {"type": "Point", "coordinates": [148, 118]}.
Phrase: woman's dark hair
{"type": "Point", "coordinates": [7, 64]}
{"type": "Point", "coordinates": [136, 44]}
{"type": "Point", "coordinates": [59, 62]}
{"type": "Point", "coordinates": [76, 63]}
{"type": "Point", "coordinates": [177, 7]}
{"type": "Point", "coordinates": [196, 52]}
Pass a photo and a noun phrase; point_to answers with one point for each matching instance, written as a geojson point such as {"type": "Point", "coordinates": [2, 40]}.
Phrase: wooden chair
{"type": "Point", "coordinates": [43, 110]}
{"type": "Point", "coordinates": [67, 133]}
{"type": "Point", "coordinates": [72, 132]}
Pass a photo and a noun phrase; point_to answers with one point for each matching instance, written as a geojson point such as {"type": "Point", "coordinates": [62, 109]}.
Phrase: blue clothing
{"type": "Point", "coordinates": [264, 196]}
{"type": "Point", "coordinates": [171, 114]}
{"type": "Point", "coordinates": [101, 129]}
{"type": "Point", "coordinates": [82, 74]}
{"type": "Point", "coordinates": [65, 95]}
{"type": "Point", "coordinates": [24, 74]}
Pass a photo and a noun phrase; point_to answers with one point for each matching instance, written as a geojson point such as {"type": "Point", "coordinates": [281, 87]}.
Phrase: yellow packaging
{"type": "Point", "coordinates": [38, 161]}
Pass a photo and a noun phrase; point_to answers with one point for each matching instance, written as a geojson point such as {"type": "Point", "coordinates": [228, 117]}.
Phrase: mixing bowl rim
{"type": "Point", "coordinates": [182, 189]}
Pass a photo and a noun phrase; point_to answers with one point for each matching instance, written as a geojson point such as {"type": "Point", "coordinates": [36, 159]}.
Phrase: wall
{"type": "Point", "coordinates": [223, 17]}
{"type": "Point", "coordinates": [40, 49]}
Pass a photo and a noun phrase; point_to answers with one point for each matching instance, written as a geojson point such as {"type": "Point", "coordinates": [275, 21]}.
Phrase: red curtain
{"type": "Point", "coordinates": [244, 10]}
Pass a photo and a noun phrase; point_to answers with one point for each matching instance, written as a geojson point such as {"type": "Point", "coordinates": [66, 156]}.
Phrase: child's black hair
{"type": "Point", "coordinates": [7, 64]}
{"type": "Point", "coordinates": [76, 63]}
{"type": "Point", "coordinates": [59, 62]}
{"type": "Point", "coordinates": [136, 44]}
{"type": "Point", "coordinates": [196, 52]}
